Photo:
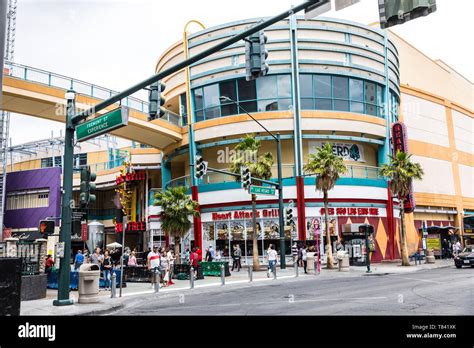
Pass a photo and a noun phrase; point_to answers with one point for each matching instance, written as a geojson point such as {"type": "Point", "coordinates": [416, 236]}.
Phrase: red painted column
{"type": "Point", "coordinates": [390, 219]}
{"type": "Point", "coordinates": [197, 220]}
{"type": "Point", "coordinates": [301, 208]}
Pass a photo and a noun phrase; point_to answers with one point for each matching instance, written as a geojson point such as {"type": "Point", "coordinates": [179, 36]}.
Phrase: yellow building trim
{"type": "Point", "coordinates": [145, 151]}
{"type": "Point", "coordinates": [420, 148]}
{"type": "Point", "coordinates": [435, 200]}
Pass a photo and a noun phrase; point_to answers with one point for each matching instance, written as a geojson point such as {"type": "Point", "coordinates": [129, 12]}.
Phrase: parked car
{"type": "Point", "coordinates": [466, 258]}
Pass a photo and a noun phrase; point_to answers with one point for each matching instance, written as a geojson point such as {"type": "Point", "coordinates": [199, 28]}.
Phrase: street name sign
{"type": "Point", "coordinates": [319, 7]}
{"type": "Point", "coordinates": [110, 121]}
{"type": "Point", "coordinates": [260, 190]}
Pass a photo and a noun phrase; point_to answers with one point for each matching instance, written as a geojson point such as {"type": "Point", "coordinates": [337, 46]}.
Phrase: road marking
{"type": "Point", "coordinates": [420, 280]}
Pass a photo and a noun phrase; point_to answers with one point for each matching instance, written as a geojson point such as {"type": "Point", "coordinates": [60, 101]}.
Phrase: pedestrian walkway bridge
{"type": "Point", "coordinates": [39, 93]}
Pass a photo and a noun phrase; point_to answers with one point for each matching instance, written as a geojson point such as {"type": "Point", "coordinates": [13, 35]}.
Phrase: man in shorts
{"type": "Point", "coordinates": [153, 263]}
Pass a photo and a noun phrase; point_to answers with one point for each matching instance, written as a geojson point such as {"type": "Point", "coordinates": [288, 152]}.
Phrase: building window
{"type": "Point", "coordinates": [48, 162]}
{"type": "Point", "coordinates": [28, 199]}
{"type": "Point", "coordinates": [80, 159]}
{"type": "Point", "coordinates": [183, 111]}
{"type": "Point", "coordinates": [273, 92]}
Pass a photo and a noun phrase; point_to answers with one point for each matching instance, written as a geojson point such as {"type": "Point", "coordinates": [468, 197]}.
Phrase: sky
{"type": "Point", "coordinates": [116, 43]}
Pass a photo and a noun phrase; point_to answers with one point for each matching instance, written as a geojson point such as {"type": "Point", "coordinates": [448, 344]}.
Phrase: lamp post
{"type": "Point", "coordinates": [192, 148]}
{"type": "Point", "coordinates": [280, 180]}
{"type": "Point", "coordinates": [67, 203]}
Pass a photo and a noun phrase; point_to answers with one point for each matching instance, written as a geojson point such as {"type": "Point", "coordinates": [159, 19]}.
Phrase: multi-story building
{"type": "Point", "coordinates": [329, 81]}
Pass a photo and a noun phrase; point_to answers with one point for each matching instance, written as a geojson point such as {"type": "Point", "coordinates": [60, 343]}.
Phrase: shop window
{"type": "Point", "coordinates": [228, 89]}
{"type": "Point", "coordinates": [370, 98]}
{"type": "Point", "coordinates": [340, 90]}
{"type": "Point", "coordinates": [247, 91]}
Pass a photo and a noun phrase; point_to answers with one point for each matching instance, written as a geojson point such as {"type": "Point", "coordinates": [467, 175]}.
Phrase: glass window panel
{"type": "Point", "coordinates": [199, 116]}
{"type": "Point", "coordinates": [322, 86]}
{"type": "Point", "coordinates": [357, 107]}
{"type": "Point", "coordinates": [198, 99]}
{"type": "Point", "coordinates": [379, 95]}
{"type": "Point", "coordinates": [247, 90]}
{"type": "Point", "coordinates": [323, 104]}
{"type": "Point", "coordinates": [370, 93]}
{"type": "Point", "coordinates": [248, 106]}
{"type": "Point", "coordinates": [266, 87]}
{"type": "Point", "coordinates": [341, 105]}
{"type": "Point", "coordinates": [228, 89]}
{"type": "Point", "coordinates": [306, 86]}
{"type": "Point", "coordinates": [340, 87]}
{"type": "Point", "coordinates": [267, 105]}
{"type": "Point", "coordinates": [229, 109]}
{"type": "Point", "coordinates": [284, 104]}
{"type": "Point", "coordinates": [284, 86]}
{"type": "Point", "coordinates": [371, 109]}
{"type": "Point", "coordinates": [307, 104]}
{"type": "Point", "coordinates": [211, 95]}
{"type": "Point", "coordinates": [213, 113]}
{"type": "Point", "coordinates": [184, 108]}
{"type": "Point", "coordinates": [357, 90]}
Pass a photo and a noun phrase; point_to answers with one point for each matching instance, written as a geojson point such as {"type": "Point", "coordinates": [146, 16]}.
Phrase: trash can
{"type": "Point", "coordinates": [88, 286]}
{"type": "Point", "coordinates": [343, 260]}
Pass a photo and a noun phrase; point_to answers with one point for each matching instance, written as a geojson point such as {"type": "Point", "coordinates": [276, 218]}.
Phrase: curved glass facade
{"type": "Point", "coordinates": [273, 93]}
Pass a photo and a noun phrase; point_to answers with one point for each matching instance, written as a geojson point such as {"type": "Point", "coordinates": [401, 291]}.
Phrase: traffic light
{"type": "Point", "coordinates": [394, 12]}
{"type": "Point", "coordinates": [87, 185]}
{"type": "Point", "coordinates": [201, 167]}
{"type": "Point", "coordinates": [46, 227]}
{"type": "Point", "coordinates": [256, 56]}
{"type": "Point", "coordinates": [245, 178]}
{"type": "Point", "coordinates": [289, 216]}
{"type": "Point", "coordinates": [155, 109]}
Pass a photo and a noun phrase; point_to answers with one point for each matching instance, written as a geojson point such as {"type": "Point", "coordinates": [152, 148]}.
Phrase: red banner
{"type": "Point", "coordinates": [84, 232]}
{"type": "Point", "coordinates": [400, 143]}
{"type": "Point", "coordinates": [139, 226]}
{"type": "Point", "coordinates": [136, 176]}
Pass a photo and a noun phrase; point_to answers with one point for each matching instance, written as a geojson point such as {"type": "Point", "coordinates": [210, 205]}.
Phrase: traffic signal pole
{"type": "Point", "coordinates": [67, 204]}
{"type": "Point", "coordinates": [280, 205]}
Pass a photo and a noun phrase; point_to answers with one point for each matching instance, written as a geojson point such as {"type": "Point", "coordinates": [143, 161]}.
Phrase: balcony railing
{"type": "Point", "coordinates": [51, 79]}
{"type": "Point", "coordinates": [353, 171]}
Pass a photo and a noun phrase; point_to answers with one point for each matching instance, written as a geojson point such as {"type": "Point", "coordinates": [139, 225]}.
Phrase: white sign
{"type": "Point", "coordinates": [349, 152]}
{"type": "Point", "coordinates": [60, 250]}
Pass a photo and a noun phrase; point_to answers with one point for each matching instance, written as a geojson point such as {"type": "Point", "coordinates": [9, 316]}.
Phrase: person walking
{"type": "Point", "coordinates": [300, 256]}
{"type": "Point", "coordinates": [165, 269]}
{"type": "Point", "coordinates": [107, 269]}
{"type": "Point", "coordinates": [193, 261]}
{"type": "Point", "coordinates": [212, 252]}
{"type": "Point", "coordinates": [304, 258]}
{"type": "Point", "coordinates": [171, 260]}
{"type": "Point", "coordinates": [208, 257]}
{"type": "Point", "coordinates": [238, 257]}
{"type": "Point", "coordinates": [272, 259]}
{"type": "Point", "coordinates": [458, 247]}
{"type": "Point", "coordinates": [78, 260]}
{"type": "Point", "coordinates": [153, 264]}
{"type": "Point", "coordinates": [234, 261]}
{"type": "Point", "coordinates": [97, 257]}
{"type": "Point", "coordinates": [48, 264]}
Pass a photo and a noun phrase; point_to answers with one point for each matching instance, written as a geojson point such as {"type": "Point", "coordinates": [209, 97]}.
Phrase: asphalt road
{"type": "Point", "coordinates": [445, 291]}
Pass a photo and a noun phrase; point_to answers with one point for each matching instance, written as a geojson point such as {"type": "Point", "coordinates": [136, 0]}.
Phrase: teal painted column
{"type": "Point", "coordinates": [385, 150]}
{"type": "Point", "coordinates": [165, 172]}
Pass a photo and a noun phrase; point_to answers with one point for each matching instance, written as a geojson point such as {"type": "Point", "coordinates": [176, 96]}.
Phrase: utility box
{"type": "Point", "coordinates": [88, 287]}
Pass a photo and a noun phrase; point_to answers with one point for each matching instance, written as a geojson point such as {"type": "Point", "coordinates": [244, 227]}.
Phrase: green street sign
{"type": "Point", "coordinates": [260, 190]}
{"type": "Point", "coordinates": [104, 124]}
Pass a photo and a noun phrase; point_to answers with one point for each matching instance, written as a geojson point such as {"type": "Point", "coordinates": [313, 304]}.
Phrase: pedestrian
{"type": "Point", "coordinates": [132, 260]}
{"type": "Point", "coordinates": [238, 257]}
{"type": "Point", "coordinates": [458, 247]}
{"type": "Point", "coordinates": [304, 258]}
{"type": "Point", "coordinates": [300, 256]}
{"type": "Point", "coordinates": [164, 268]}
{"type": "Point", "coordinates": [96, 257]}
{"type": "Point", "coordinates": [126, 256]}
{"type": "Point", "coordinates": [79, 260]}
{"type": "Point", "coordinates": [171, 259]}
{"type": "Point", "coordinates": [187, 256]}
{"type": "Point", "coordinates": [218, 255]}
{"type": "Point", "coordinates": [272, 259]}
{"type": "Point", "coordinates": [199, 252]}
{"type": "Point", "coordinates": [208, 257]}
{"type": "Point", "coordinates": [212, 252]}
{"type": "Point", "coordinates": [153, 264]}
{"type": "Point", "coordinates": [48, 264]}
{"type": "Point", "coordinates": [294, 252]}
{"type": "Point", "coordinates": [445, 247]}
{"type": "Point", "coordinates": [193, 261]}
{"type": "Point", "coordinates": [234, 261]}
{"type": "Point", "coordinates": [107, 269]}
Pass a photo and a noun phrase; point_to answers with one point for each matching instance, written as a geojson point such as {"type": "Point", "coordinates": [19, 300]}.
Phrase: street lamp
{"type": "Point", "coordinates": [226, 99]}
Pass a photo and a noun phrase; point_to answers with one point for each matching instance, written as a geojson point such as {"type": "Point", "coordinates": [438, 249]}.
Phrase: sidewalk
{"type": "Point", "coordinates": [109, 305]}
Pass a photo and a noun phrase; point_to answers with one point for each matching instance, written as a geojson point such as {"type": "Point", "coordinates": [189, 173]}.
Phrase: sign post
{"type": "Point", "coordinates": [115, 119]}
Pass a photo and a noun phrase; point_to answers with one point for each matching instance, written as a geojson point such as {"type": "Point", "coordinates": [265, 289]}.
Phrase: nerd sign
{"type": "Point", "coordinates": [400, 143]}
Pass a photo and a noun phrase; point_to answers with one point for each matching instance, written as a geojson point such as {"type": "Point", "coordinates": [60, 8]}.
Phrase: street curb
{"type": "Point", "coordinates": [105, 311]}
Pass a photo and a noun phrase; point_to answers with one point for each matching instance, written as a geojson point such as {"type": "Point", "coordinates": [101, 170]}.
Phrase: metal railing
{"type": "Point", "coordinates": [51, 79]}
{"type": "Point", "coordinates": [353, 171]}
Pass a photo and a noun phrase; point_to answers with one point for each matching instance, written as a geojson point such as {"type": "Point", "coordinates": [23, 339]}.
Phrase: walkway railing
{"type": "Point", "coordinates": [353, 171]}
{"type": "Point", "coordinates": [51, 79]}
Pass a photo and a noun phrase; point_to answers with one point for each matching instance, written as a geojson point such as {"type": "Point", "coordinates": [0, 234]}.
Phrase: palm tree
{"type": "Point", "coordinates": [176, 207]}
{"type": "Point", "coordinates": [401, 172]}
{"type": "Point", "coordinates": [328, 167]}
{"type": "Point", "coordinates": [260, 167]}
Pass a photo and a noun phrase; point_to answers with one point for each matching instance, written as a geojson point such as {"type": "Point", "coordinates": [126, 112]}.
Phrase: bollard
{"type": "Point", "coordinates": [222, 275]}
{"type": "Point", "coordinates": [191, 278]}
{"type": "Point", "coordinates": [316, 268]}
{"type": "Point", "coordinates": [274, 271]}
{"type": "Point", "coordinates": [250, 274]}
{"type": "Point", "coordinates": [113, 288]}
{"type": "Point", "coordinates": [296, 269]}
{"type": "Point", "coordinates": [156, 280]}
